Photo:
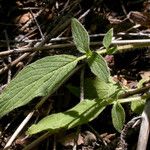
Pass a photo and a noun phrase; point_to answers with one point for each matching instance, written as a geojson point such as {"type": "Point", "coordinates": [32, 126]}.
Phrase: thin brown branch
{"type": "Point", "coordinates": [18, 130]}
{"type": "Point", "coordinates": [125, 44]}
{"type": "Point", "coordinates": [9, 57]}
{"type": "Point", "coordinates": [13, 63]}
{"type": "Point", "coordinates": [33, 49]}
{"type": "Point", "coordinates": [37, 24]}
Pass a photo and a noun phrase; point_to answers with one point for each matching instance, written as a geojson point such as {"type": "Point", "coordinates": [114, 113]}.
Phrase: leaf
{"type": "Point", "coordinates": [40, 78]}
{"type": "Point", "coordinates": [99, 67]}
{"type": "Point", "coordinates": [89, 89]}
{"type": "Point", "coordinates": [106, 90]}
{"type": "Point", "coordinates": [118, 116]}
{"type": "Point", "coordinates": [95, 88]}
{"type": "Point", "coordinates": [108, 38]}
{"type": "Point", "coordinates": [82, 113]}
{"type": "Point", "coordinates": [80, 37]}
{"type": "Point", "coordinates": [138, 106]}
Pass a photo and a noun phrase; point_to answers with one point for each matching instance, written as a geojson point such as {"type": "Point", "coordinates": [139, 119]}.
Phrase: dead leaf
{"type": "Point", "coordinates": [22, 19]}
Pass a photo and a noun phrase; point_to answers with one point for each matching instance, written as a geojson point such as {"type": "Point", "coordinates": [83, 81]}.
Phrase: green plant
{"type": "Point", "coordinates": [45, 76]}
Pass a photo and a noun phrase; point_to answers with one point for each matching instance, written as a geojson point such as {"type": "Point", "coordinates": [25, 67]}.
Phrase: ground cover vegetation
{"type": "Point", "coordinates": [74, 74]}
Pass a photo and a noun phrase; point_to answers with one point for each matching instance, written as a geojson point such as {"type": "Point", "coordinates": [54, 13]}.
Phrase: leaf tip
{"type": "Point", "coordinates": [108, 38]}
{"type": "Point", "coordinates": [30, 130]}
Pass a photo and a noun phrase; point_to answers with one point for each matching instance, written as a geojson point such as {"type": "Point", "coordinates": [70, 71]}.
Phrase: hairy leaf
{"type": "Point", "coordinates": [40, 78]}
{"type": "Point", "coordinates": [138, 106]}
{"type": "Point", "coordinates": [83, 112]}
{"type": "Point", "coordinates": [108, 38]}
{"type": "Point", "coordinates": [105, 90]}
{"type": "Point", "coordinates": [80, 36]}
{"type": "Point", "coordinates": [99, 67]}
{"type": "Point", "coordinates": [118, 116]}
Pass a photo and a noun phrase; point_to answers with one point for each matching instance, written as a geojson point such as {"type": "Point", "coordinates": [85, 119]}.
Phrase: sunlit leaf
{"type": "Point", "coordinates": [138, 106]}
{"type": "Point", "coordinates": [82, 113]}
{"type": "Point", "coordinates": [108, 38]}
{"type": "Point", "coordinates": [40, 78]}
{"type": "Point", "coordinates": [118, 116]}
{"type": "Point", "coordinates": [99, 67]}
{"type": "Point", "coordinates": [80, 36]}
{"type": "Point", "coordinates": [106, 90]}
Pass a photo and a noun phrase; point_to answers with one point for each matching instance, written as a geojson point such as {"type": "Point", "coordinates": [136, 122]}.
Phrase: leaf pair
{"type": "Point", "coordinates": [96, 62]}
{"type": "Point", "coordinates": [82, 40]}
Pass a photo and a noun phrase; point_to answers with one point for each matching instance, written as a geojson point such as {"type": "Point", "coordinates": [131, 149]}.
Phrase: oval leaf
{"type": "Point", "coordinates": [40, 78]}
{"type": "Point", "coordinates": [106, 90]}
{"type": "Point", "coordinates": [138, 106]}
{"type": "Point", "coordinates": [108, 38]}
{"type": "Point", "coordinates": [83, 112]}
{"type": "Point", "coordinates": [99, 67]}
{"type": "Point", "coordinates": [80, 36]}
{"type": "Point", "coordinates": [118, 116]}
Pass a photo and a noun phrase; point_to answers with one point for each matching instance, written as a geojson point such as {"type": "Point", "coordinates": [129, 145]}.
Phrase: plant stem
{"type": "Point", "coordinates": [123, 45]}
{"type": "Point", "coordinates": [136, 91]}
{"type": "Point", "coordinates": [131, 99]}
{"type": "Point", "coordinates": [82, 85]}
